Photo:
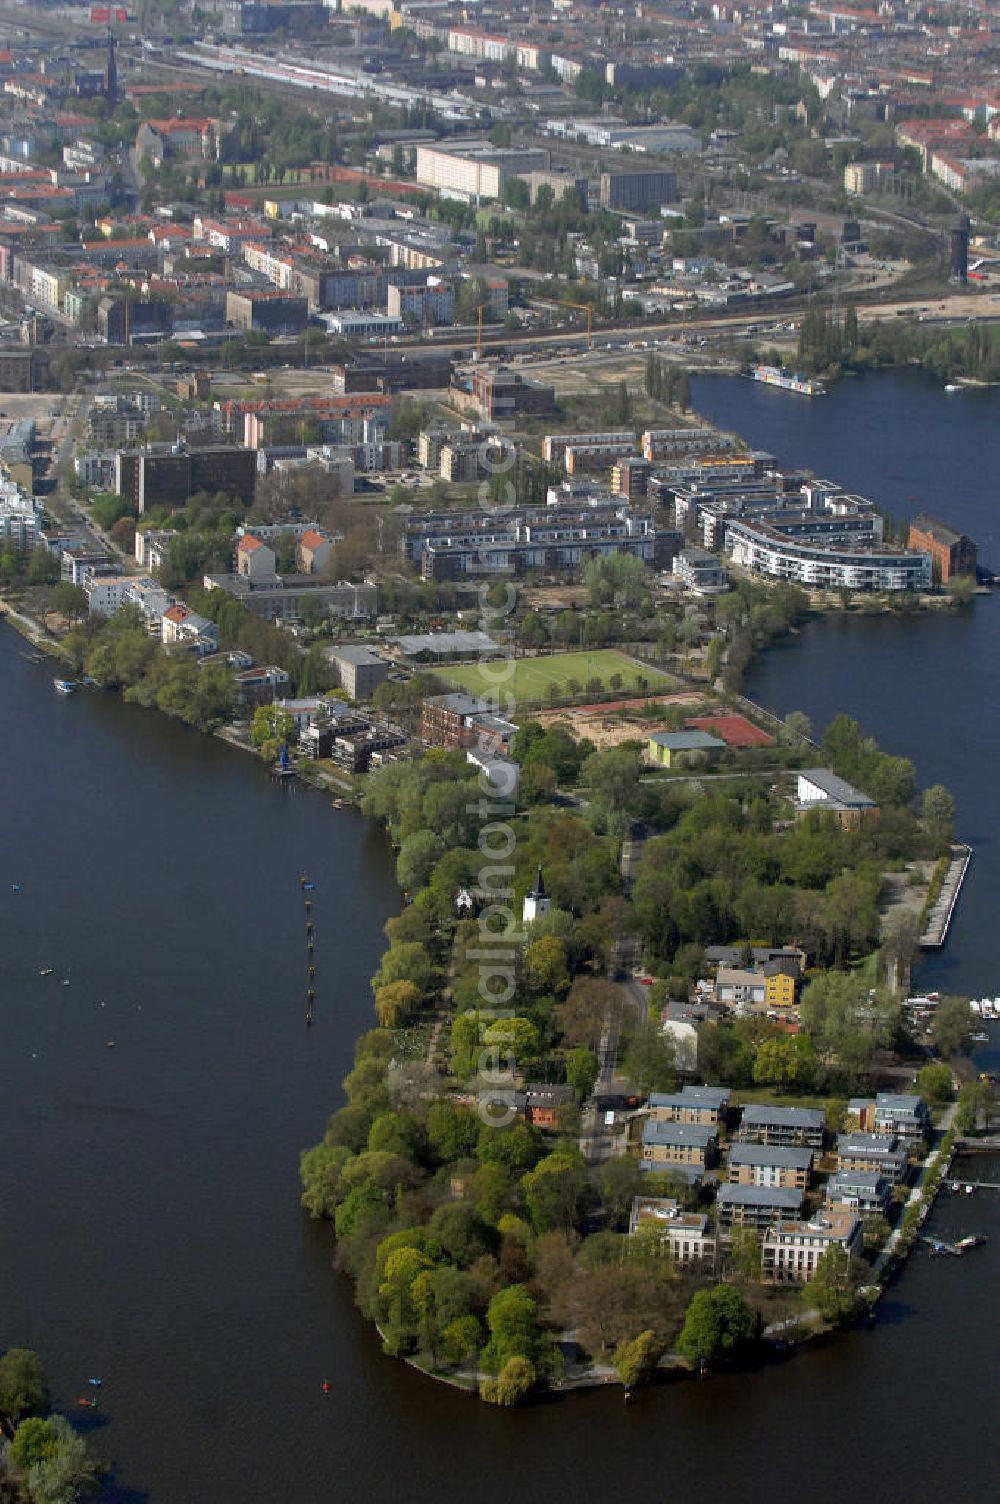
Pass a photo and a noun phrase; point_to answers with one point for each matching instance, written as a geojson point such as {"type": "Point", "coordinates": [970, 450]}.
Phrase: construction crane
{"type": "Point", "coordinates": [479, 329]}
{"type": "Point", "coordinates": [588, 309]}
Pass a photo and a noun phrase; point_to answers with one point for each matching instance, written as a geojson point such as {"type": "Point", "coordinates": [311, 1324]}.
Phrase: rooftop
{"type": "Point", "coordinates": [837, 789]}
{"type": "Point", "coordinates": [783, 1197]}
{"type": "Point", "coordinates": [760, 1154]}
{"type": "Point", "coordinates": [789, 1117]}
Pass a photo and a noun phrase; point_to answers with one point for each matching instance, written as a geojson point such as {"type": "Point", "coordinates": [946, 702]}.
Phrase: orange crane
{"type": "Point", "coordinates": [479, 329]}
{"type": "Point", "coordinates": [588, 309]}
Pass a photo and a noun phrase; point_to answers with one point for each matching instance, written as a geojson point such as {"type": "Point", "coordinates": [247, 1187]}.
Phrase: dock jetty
{"type": "Point", "coordinates": [939, 918]}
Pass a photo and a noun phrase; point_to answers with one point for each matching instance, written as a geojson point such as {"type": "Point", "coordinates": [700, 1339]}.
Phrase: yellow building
{"type": "Point", "coordinates": [779, 987]}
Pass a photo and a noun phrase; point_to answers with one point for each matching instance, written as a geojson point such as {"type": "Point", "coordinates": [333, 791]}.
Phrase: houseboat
{"type": "Point", "coordinates": [805, 386]}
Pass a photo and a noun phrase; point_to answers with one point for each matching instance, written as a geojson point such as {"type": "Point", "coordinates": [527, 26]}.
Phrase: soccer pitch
{"type": "Point", "coordinates": [531, 677]}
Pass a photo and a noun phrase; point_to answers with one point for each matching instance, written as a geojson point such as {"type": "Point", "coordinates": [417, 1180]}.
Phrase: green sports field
{"type": "Point", "coordinates": [532, 677]}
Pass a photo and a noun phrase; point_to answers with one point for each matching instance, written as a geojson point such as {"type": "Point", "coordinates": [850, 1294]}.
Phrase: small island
{"type": "Point", "coordinates": [645, 1086]}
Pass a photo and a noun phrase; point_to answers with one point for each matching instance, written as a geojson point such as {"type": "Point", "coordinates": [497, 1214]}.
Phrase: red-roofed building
{"type": "Point", "coordinates": [254, 560]}
{"type": "Point", "coordinates": [314, 550]}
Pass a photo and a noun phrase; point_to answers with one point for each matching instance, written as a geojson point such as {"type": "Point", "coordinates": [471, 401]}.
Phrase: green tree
{"type": "Point", "coordinates": [417, 858]}
{"type": "Point", "coordinates": [68, 1473]}
{"type": "Point", "coordinates": [581, 1071]}
{"type": "Point", "coordinates": [951, 1026]}
{"type": "Point", "coordinates": [552, 1190]}
{"type": "Point", "coordinates": [395, 1003]}
{"type": "Point", "coordinates": [934, 1083]}
{"type": "Point", "coordinates": [937, 809]}
{"type": "Point", "coordinates": [717, 1324]}
{"type": "Point", "coordinates": [43, 566]}
{"type": "Point", "coordinates": [461, 1339]}
{"type": "Point", "coordinates": [319, 1173]}
{"type": "Point", "coordinates": [799, 725]}
{"type": "Point", "coordinates": [833, 1289]}
{"type": "Point", "coordinates": [70, 601]}
{"type": "Point", "coordinates": [612, 776]}
{"type": "Point", "coordinates": [35, 1440]}
{"type": "Point", "coordinates": [511, 1384]}
{"type": "Point", "coordinates": [745, 1253]}
{"type": "Point", "coordinates": [635, 1361]}
{"type": "Point", "coordinates": [24, 1389]}
{"type": "Point", "coordinates": [512, 1318]}
{"type": "Point", "coordinates": [546, 965]}
{"type": "Point", "coordinates": [651, 1059]}
{"type": "Point", "coordinates": [270, 730]}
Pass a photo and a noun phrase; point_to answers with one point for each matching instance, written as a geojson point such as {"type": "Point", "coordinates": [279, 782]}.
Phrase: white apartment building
{"type": "Point", "coordinates": [792, 1250]}
{"type": "Point", "coordinates": [765, 550]}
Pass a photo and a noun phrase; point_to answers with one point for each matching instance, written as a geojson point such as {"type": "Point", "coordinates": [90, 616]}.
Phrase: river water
{"type": "Point", "coordinates": [150, 1232]}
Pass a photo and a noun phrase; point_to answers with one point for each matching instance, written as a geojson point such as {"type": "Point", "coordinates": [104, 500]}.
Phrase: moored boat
{"type": "Point", "coordinates": [64, 686]}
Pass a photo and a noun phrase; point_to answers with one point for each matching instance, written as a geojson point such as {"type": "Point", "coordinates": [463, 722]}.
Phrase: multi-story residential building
{"type": "Point", "coordinates": [261, 685]}
{"type": "Point", "coordinates": [683, 1236]}
{"type": "Point", "coordinates": [685, 1146]}
{"type": "Point", "coordinates": [692, 1104]}
{"type": "Point", "coordinates": [152, 546]}
{"type": "Point", "coordinates": [550, 540]}
{"type": "Point", "coordinates": [360, 670]}
{"type": "Point", "coordinates": [433, 302]}
{"type": "Point", "coordinates": [791, 1250]}
{"type": "Point", "coordinates": [454, 720]}
{"type": "Point", "coordinates": [764, 1124]}
{"type": "Point", "coordinates": [147, 477]}
{"type": "Point", "coordinates": [777, 1165]}
{"type": "Point", "coordinates": [105, 592]}
{"type": "Point", "coordinates": [631, 191]}
{"type": "Point", "coordinates": [475, 170]}
{"type": "Point", "coordinates": [865, 1191]}
{"type": "Point", "coordinates": [152, 600]}
{"type": "Point", "coordinates": [763, 549]}
{"type": "Point", "coordinates": [756, 1205]}
{"type": "Point", "coordinates": [254, 559]}
{"type": "Point", "coordinates": [739, 987]}
{"type": "Point", "coordinates": [555, 445]}
{"type": "Point", "coordinates": [901, 1113]}
{"type": "Point", "coordinates": [313, 551]}
{"type": "Point", "coordinates": [272, 312]}
{"type": "Point", "coordinates": [630, 478]}
{"type": "Point", "coordinates": [880, 1152]}
{"type": "Point", "coordinates": [700, 571]}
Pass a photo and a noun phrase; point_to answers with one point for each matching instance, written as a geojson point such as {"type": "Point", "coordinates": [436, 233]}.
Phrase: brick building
{"type": "Point", "coordinates": [951, 553]}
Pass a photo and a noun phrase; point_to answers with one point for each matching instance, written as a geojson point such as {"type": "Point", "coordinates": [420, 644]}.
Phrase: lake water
{"type": "Point", "coordinates": [926, 686]}
{"type": "Point", "coordinates": [150, 1230]}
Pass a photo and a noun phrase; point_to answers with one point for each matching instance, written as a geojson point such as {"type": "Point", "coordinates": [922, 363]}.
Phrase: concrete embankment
{"type": "Point", "coordinates": [939, 915]}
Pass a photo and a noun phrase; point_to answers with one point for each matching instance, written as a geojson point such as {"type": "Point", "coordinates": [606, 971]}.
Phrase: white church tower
{"type": "Point", "coordinates": [536, 901]}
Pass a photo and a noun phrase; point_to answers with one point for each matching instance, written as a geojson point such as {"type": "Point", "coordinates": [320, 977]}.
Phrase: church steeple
{"type": "Point", "coordinates": [537, 900]}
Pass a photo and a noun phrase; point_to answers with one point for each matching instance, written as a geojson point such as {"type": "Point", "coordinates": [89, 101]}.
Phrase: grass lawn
{"type": "Point", "coordinates": [532, 677]}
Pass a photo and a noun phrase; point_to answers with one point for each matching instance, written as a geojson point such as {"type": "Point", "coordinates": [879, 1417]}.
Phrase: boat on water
{"type": "Point", "coordinates": [46, 971]}
{"type": "Point", "coordinates": [981, 1037]}
{"type": "Point", "coordinates": [950, 386]}
{"type": "Point", "coordinates": [788, 381]}
{"type": "Point", "coordinates": [64, 686]}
